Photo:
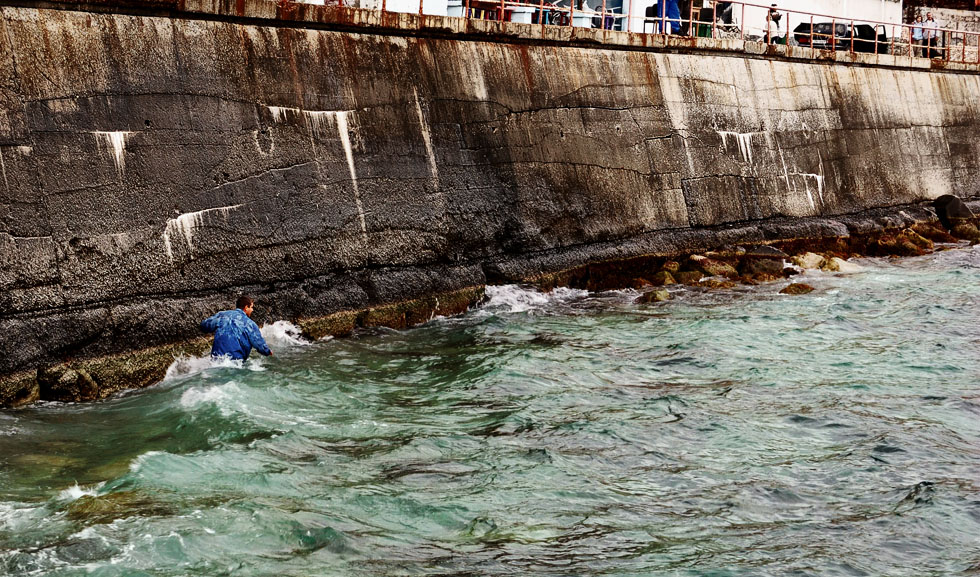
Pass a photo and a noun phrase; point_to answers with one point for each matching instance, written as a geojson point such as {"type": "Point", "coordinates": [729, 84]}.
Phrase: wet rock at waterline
{"type": "Point", "coordinates": [62, 383]}
{"type": "Point", "coordinates": [952, 211]}
{"type": "Point", "coordinates": [966, 231]}
{"type": "Point", "coordinates": [711, 267]}
{"type": "Point", "coordinates": [688, 277]}
{"type": "Point", "coordinates": [809, 261]}
{"type": "Point", "coordinates": [836, 264]}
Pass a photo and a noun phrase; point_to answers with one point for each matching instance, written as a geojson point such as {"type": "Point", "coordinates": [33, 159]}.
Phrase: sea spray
{"type": "Point", "coordinates": [518, 299]}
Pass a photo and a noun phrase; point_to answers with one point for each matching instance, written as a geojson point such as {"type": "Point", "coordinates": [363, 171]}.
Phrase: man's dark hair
{"type": "Point", "coordinates": [243, 301]}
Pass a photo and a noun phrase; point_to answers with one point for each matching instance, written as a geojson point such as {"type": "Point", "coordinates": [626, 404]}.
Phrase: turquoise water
{"type": "Point", "coordinates": [735, 432]}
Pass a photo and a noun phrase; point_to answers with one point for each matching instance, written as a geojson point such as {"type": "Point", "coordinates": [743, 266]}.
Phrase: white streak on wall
{"type": "Point", "coordinates": [427, 138]}
{"type": "Point", "coordinates": [821, 176]}
{"type": "Point", "coordinates": [319, 121]}
{"type": "Point", "coordinates": [279, 112]}
{"type": "Point", "coordinates": [185, 224]}
{"type": "Point", "coordinates": [116, 141]}
{"type": "Point", "coordinates": [817, 179]}
{"type": "Point", "coordinates": [3, 168]}
{"type": "Point", "coordinates": [744, 143]}
{"type": "Point", "coordinates": [345, 140]}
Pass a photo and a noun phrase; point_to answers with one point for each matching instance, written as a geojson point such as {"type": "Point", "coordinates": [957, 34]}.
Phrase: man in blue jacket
{"type": "Point", "coordinates": [235, 334]}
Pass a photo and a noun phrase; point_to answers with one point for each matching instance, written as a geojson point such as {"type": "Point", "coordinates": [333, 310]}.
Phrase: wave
{"type": "Point", "coordinates": [513, 298]}
{"type": "Point", "coordinates": [284, 335]}
{"type": "Point", "coordinates": [218, 395]}
{"type": "Point", "coordinates": [280, 336]}
{"type": "Point", "coordinates": [76, 492]}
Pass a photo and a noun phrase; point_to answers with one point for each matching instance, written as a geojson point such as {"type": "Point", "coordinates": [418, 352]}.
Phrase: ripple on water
{"type": "Point", "coordinates": [737, 432]}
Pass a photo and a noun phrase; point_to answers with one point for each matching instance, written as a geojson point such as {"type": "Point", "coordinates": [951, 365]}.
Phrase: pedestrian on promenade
{"type": "Point", "coordinates": [772, 25]}
{"type": "Point", "coordinates": [235, 333]}
{"type": "Point", "coordinates": [931, 30]}
{"type": "Point", "coordinates": [917, 36]}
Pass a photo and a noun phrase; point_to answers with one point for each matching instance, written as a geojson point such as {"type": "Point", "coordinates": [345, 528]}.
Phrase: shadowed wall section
{"type": "Point", "coordinates": [152, 167]}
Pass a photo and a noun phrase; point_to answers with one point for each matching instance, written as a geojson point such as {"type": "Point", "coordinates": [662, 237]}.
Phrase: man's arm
{"type": "Point", "coordinates": [256, 340]}
{"type": "Point", "coordinates": [210, 324]}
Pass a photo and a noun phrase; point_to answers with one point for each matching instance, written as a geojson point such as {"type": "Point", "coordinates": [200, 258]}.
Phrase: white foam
{"type": "Point", "coordinates": [283, 334]}
{"type": "Point", "coordinates": [184, 366]}
{"type": "Point", "coordinates": [213, 395]}
{"type": "Point", "coordinates": [516, 299]}
{"type": "Point", "coordinates": [76, 492]}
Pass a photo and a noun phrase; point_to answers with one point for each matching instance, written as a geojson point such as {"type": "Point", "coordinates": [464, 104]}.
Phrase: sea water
{"type": "Point", "coordinates": [725, 432]}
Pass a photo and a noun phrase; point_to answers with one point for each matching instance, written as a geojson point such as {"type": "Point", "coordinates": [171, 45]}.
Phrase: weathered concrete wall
{"type": "Point", "coordinates": [154, 167]}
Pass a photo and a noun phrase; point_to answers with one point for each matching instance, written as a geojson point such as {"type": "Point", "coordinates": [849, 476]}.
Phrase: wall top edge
{"type": "Point", "coordinates": [359, 20]}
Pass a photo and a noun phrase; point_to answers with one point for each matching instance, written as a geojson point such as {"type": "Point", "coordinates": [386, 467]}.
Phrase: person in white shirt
{"type": "Point", "coordinates": [930, 29]}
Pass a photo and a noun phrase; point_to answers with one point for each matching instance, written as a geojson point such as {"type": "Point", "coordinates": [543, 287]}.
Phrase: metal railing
{"type": "Point", "coordinates": [818, 32]}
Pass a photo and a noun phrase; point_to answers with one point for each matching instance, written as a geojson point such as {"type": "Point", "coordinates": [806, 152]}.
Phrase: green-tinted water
{"type": "Point", "coordinates": [737, 432]}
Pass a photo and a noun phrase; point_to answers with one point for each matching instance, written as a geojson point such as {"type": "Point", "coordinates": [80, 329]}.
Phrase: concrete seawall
{"type": "Point", "coordinates": [155, 166]}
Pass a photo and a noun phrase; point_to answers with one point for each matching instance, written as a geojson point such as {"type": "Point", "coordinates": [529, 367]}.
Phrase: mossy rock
{"type": "Point", "coordinates": [19, 389]}
{"type": "Point", "coordinates": [335, 325]}
{"type": "Point", "coordinates": [916, 239]}
{"type": "Point", "coordinates": [663, 278]}
{"type": "Point", "coordinates": [966, 231]}
{"type": "Point", "coordinates": [933, 232]}
{"type": "Point", "coordinates": [671, 266]}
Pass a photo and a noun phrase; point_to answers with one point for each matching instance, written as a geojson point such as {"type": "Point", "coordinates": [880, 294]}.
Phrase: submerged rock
{"type": "Point", "coordinates": [654, 296]}
{"type": "Point", "coordinates": [112, 506]}
{"type": "Point", "coordinates": [797, 288]}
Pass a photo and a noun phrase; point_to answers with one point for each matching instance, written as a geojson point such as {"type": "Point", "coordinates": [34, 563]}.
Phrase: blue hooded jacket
{"type": "Point", "coordinates": [234, 335]}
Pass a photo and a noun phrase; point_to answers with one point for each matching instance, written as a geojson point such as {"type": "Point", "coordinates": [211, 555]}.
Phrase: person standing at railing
{"type": "Point", "coordinates": [931, 29]}
{"type": "Point", "coordinates": [669, 16]}
{"type": "Point", "coordinates": [772, 25]}
{"type": "Point", "coordinates": [917, 36]}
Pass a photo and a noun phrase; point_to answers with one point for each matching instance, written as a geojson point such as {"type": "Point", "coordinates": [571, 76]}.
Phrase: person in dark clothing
{"type": "Point", "coordinates": [235, 334]}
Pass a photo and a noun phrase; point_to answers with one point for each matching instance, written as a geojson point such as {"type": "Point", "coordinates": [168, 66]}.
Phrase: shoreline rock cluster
{"type": "Point", "coordinates": [730, 266]}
